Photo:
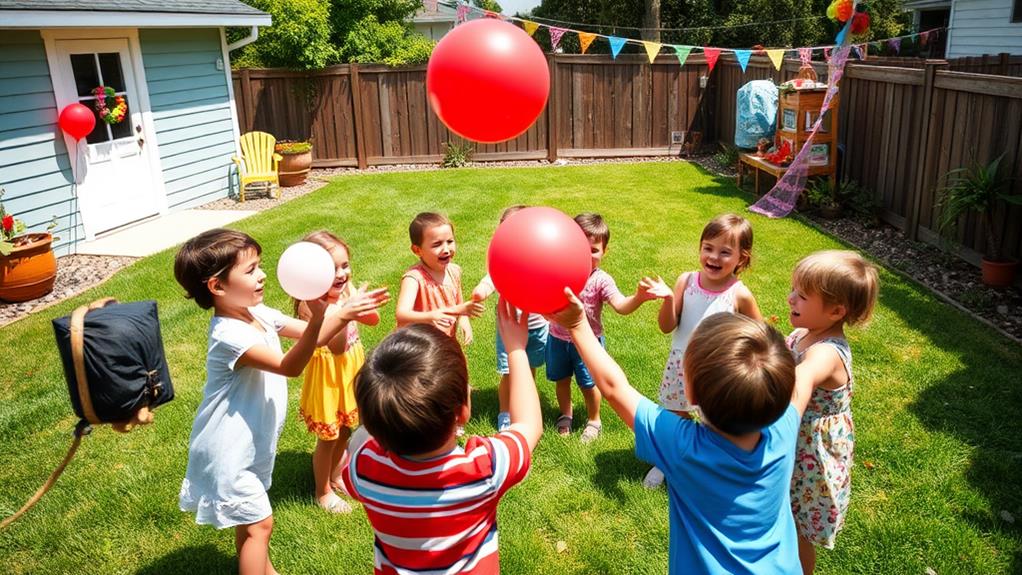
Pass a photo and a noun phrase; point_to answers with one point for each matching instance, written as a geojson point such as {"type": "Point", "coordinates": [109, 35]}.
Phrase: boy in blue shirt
{"type": "Point", "coordinates": [729, 470]}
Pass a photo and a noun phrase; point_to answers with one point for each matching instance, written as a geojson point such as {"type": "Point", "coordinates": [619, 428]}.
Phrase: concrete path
{"type": "Point", "coordinates": [156, 235]}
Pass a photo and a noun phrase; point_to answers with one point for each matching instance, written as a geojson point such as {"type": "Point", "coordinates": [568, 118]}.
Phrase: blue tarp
{"type": "Point", "coordinates": [756, 113]}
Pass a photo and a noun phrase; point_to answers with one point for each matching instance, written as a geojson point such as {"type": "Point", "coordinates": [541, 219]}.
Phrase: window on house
{"type": "Point", "coordinates": [1016, 11]}
{"type": "Point", "coordinates": [100, 69]}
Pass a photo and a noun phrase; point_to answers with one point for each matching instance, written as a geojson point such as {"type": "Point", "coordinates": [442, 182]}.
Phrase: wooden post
{"type": "Point", "coordinates": [356, 103]}
{"type": "Point", "coordinates": [248, 103]}
{"type": "Point", "coordinates": [551, 111]}
{"type": "Point", "coordinates": [1002, 64]}
{"type": "Point", "coordinates": [921, 160]}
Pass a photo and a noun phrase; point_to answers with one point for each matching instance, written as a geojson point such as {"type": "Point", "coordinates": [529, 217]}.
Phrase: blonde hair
{"type": "Point", "coordinates": [329, 242]}
{"type": "Point", "coordinates": [840, 277]}
{"type": "Point", "coordinates": [737, 229]}
{"type": "Point", "coordinates": [740, 372]}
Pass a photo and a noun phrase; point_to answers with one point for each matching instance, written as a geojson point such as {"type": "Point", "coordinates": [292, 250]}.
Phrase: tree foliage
{"type": "Point", "coordinates": [299, 38]}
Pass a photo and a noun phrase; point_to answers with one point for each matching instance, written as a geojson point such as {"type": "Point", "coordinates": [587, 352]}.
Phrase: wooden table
{"type": "Point", "coordinates": [758, 164]}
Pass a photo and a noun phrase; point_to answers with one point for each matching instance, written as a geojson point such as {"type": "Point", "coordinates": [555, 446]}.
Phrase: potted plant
{"type": "Point", "coordinates": [296, 163]}
{"type": "Point", "coordinates": [28, 267]}
{"type": "Point", "coordinates": [978, 188]}
{"type": "Point", "coordinates": [819, 197]}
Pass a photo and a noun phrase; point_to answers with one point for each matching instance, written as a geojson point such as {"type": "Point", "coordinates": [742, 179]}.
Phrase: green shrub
{"type": "Point", "coordinates": [391, 43]}
{"type": "Point", "coordinates": [456, 155]}
{"type": "Point", "coordinates": [291, 147]}
{"type": "Point", "coordinates": [727, 156]}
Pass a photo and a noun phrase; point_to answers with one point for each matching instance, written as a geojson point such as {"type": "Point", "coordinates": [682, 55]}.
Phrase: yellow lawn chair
{"type": "Point", "coordinates": [258, 163]}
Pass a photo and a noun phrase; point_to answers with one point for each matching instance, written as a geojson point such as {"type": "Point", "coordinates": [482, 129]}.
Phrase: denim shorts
{"type": "Point", "coordinates": [535, 349]}
{"type": "Point", "coordinates": [563, 360]}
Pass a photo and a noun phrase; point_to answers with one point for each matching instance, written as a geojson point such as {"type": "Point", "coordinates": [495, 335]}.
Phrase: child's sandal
{"type": "Point", "coordinates": [563, 425]}
{"type": "Point", "coordinates": [335, 505]}
{"type": "Point", "coordinates": [591, 432]}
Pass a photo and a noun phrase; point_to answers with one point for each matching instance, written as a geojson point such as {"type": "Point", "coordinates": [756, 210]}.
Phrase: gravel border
{"type": "Point", "coordinates": [951, 279]}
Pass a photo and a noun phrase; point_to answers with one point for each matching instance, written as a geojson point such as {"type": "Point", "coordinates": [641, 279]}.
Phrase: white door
{"type": "Point", "coordinates": [114, 172]}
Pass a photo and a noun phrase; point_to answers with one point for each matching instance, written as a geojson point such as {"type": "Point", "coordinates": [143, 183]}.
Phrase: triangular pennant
{"type": "Point", "coordinates": [585, 39]}
{"type": "Point", "coordinates": [840, 39]}
{"type": "Point", "coordinates": [924, 37]}
{"type": "Point", "coordinates": [861, 50]}
{"type": "Point", "coordinates": [492, 14]}
{"type": "Point", "coordinates": [826, 54]}
{"type": "Point", "coordinates": [743, 58]}
{"type": "Point", "coordinates": [777, 57]}
{"type": "Point", "coordinates": [895, 44]}
{"type": "Point", "coordinates": [711, 56]}
{"type": "Point", "coordinates": [530, 27]}
{"type": "Point", "coordinates": [652, 49]}
{"type": "Point", "coordinates": [682, 52]}
{"type": "Point", "coordinates": [555, 36]}
{"type": "Point", "coordinates": [615, 45]}
{"type": "Point", "coordinates": [462, 13]}
{"type": "Point", "coordinates": [805, 55]}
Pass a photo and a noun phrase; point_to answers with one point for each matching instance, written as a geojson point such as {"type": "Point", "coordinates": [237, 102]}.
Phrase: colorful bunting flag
{"type": "Point", "coordinates": [530, 27]}
{"type": "Point", "coordinates": [615, 45]}
{"type": "Point", "coordinates": [826, 54]}
{"type": "Point", "coordinates": [743, 58]}
{"type": "Point", "coordinates": [895, 44]}
{"type": "Point", "coordinates": [924, 37]}
{"type": "Point", "coordinates": [652, 49]}
{"type": "Point", "coordinates": [777, 57]}
{"type": "Point", "coordinates": [462, 13]}
{"type": "Point", "coordinates": [805, 55]}
{"type": "Point", "coordinates": [711, 56]}
{"type": "Point", "coordinates": [682, 53]}
{"type": "Point", "coordinates": [861, 50]}
{"type": "Point", "coordinates": [555, 35]}
{"type": "Point", "coordinates": [585, 39]}
{"type": "Point", "coordinates": [492, 14]}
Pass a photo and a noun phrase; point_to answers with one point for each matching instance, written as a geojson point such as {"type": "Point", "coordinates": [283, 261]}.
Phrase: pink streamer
{"type": "Point", "coordinates": [462, 14]}
{"type": "Point", "coordinates": [780, 200]}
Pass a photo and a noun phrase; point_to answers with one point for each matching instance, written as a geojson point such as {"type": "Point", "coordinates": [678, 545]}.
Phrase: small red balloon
{"type": "Point", "coordinates": [77, 121]}
{"type": "Point", "coordinates": [860, 23]}
{"type": "Point", "coordinates": [534, 255]}
{"type": "Point", "coordinates": [487, 80]}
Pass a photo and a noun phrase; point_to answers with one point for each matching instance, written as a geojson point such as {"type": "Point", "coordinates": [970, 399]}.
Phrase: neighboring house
{"type": "Point", "coordinates": [433, 24]}
{"type": "Point", "coordinates": [978, 27]}
{"type": "Point", "coordinates": [169, 59]}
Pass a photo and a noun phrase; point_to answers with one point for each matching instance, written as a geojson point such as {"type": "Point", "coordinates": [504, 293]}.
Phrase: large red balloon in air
{"type": "Point", "coordinates": [77, 121]}
{"type": "Point", "coordinates": [534, 255]}
{"type": "Point", "coordinates": [487, 80]}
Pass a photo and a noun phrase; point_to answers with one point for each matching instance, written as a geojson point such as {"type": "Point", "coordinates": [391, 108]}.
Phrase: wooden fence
{"type": "Point", "coordinates": [363, 115]}
{"type": "Point", "coordinates": [902, 128]}
{"type": "Point", "coordinates": [1002, 64]}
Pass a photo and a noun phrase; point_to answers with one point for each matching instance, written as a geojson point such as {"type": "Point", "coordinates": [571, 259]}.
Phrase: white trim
{"type": "Point", "coordinates": [89, 19]}
{"type": "Point", "coordinates": [950, 31]}
{"type": "Point", "coordinates": [230, 93]}
{"type": "Point", "coordinates": [60, 87]}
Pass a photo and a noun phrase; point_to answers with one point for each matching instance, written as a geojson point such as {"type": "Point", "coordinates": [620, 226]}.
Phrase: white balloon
{"type": "Point", "coordinates": [305, 271]}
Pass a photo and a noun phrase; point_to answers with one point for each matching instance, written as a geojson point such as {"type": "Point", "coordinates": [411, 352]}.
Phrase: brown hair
{"type": "Point", "coordinates": [594, 227]}
{"type": "Point", "coordinates": [210, 254]}
{"type": "Point", "coordinates": [424, 221]}
{"type": "Point", "coordinates": [738, 229]}
{"type": "Point", "coordinates": [329, 242]}
{"type": "Point", "coordinates": [740, 371]}
{"type": "Point", "coordinates": [411, 388]}
{"type": "Point", "coordinates": [840, 277]}
{"type": "Point", "coordinates": [508, 211]}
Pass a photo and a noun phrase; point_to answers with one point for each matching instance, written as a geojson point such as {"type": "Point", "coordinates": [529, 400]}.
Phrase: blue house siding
{"type": "Point", "coordinates": [191, 111]}
{"type": "Point", "coordinates": [34, 168]}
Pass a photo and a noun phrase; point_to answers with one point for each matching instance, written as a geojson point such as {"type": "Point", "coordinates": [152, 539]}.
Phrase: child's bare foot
{"type": "Point", "coordinates": [334, 504]}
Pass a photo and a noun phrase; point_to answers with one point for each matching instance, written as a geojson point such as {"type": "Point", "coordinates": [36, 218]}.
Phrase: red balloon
{"type": "Point", "coordinates": [77, 121]}
{"type": "Point", "coordinates": [487, 80]}
{"type": "Point", "coordinates": [534, 255]}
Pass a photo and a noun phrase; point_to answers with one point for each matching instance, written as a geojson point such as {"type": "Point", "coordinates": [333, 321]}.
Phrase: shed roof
{"type": "Point", "coordinates": [144, 13]}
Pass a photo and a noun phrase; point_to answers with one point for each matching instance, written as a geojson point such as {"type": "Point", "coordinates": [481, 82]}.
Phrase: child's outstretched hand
{"type": "Point", "coordinates": [473, 307]}
{"type": "Point", "coordinates": [654, 288]}
{"type": "Point", "coordinates": [513, 326]}
{"type": "Point", "coordinates": [363, 302]}
{"type": "Point", "coordinates": [317, 307]}
{"type": "Point", "coordinates": [572, 316]}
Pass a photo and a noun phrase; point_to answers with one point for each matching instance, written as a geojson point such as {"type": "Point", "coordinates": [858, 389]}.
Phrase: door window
{"type": "Point", "coordinates": [101, 69]}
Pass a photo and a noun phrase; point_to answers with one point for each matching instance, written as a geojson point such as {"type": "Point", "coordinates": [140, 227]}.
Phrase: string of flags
{"type": "Point", "coordinates": [682, 52]}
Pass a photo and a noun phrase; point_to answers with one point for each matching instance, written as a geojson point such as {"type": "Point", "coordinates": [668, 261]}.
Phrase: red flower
{"type": "Point", "coordinates": [8, 223]}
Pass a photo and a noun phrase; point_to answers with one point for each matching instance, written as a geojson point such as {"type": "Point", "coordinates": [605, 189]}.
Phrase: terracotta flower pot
{"type": "Point", "coordinates": [293, 169]}
{"type": "Point", "coordinates": [998, 274]}
{"type": "Point", "coordinates": [29, 271]}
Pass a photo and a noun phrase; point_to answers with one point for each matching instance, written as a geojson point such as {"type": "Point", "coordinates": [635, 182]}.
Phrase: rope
{"type": "Point", "coordinates": [81, 430]}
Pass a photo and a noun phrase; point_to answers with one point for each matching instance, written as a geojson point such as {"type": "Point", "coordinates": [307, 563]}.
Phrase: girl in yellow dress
{"type": "Point", "coordinates": [328, 394]}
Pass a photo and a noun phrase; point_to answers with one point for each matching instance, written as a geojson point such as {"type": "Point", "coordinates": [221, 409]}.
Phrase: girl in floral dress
{"type": "Point", "coordinates": [830, 289]}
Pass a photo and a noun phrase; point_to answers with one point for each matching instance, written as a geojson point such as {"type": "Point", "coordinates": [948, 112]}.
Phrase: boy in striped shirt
{"type": "Point", "coordinates": [432, 503]}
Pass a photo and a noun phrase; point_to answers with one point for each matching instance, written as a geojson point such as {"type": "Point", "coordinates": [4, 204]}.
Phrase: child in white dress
{"type": "Point", "coordinates": [234, 437]}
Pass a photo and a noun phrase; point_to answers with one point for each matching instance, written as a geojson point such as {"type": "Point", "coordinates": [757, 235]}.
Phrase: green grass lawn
{"type": "Point", "coordinates": [937, 402]}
